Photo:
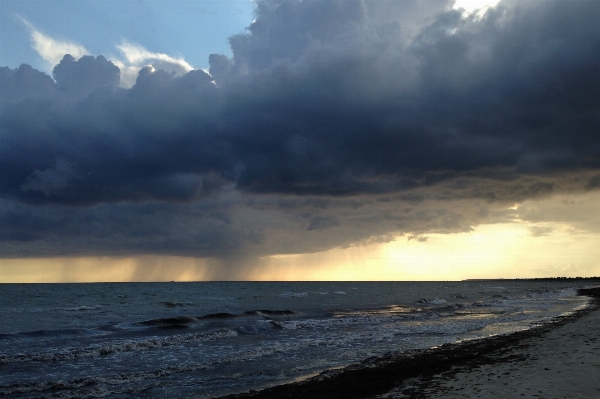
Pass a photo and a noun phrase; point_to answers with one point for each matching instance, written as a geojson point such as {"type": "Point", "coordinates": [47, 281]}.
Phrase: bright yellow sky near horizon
{"type": "Point", "coordinates": [512, 249]}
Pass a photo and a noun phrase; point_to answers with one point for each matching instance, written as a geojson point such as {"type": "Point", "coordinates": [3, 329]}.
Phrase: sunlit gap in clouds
{"type": "Point", "coordinates": [473, 5]}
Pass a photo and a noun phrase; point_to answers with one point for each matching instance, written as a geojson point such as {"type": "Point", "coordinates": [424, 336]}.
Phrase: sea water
{"type": "Point", "coordinates": [203, 340]}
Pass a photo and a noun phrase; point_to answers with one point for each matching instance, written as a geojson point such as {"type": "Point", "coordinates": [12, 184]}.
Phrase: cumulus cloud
{"type": "Point", "coordinates": [25, 82]}
{"type": "Point", "coordinates": [81, 77]}
{"type": "Point", "coordinates": [334, 123]}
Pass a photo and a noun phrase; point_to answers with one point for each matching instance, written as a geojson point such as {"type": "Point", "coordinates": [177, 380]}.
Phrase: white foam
{"type": "Point", "coordinates": [352, 320]}
{"type": "Point", "coordinates": [80, 308]}
{"type": "Point", "coordinates": [294, 294]}
{"type": "Point", "coordinates": [122, 346]}
{"type": "Point", "coordinates": [330, 292]}
{"type": "Point", "coordinates": [434, 301]}
{"type": "Point", "coordinates": [125, 379]}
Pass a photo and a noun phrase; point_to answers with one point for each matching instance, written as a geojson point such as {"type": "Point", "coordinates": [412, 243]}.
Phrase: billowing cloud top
{"type": "Point", "coordinates": [334, 123]}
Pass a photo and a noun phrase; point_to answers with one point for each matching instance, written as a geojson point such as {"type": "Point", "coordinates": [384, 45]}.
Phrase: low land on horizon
{"type": "Point", "coordinates": [596, 278]}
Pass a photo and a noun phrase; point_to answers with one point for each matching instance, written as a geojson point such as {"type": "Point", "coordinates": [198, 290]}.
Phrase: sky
{"type": "Point", "coordinates": [299, 140]}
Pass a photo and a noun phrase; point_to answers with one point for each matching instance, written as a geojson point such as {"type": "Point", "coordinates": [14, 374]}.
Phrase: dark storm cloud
{"type": "Point", "coordinates": [85, 75]}
{"type": "Point", "coordinates": [111, 145]}
{"type": "Point", "coordinates": [345, 110]}
{"type": "Point", "coordinates": [418, 238]}
{"type": "Point", "coordinates": [334, 123]}
{"type": "Point", "coordinates": [323, 222]}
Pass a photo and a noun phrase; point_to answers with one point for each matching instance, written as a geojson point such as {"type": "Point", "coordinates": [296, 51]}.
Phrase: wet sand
{"type": "Point", "coordinates": [557, 360]}
{"type": "Point", "coordinates": [561, 363]}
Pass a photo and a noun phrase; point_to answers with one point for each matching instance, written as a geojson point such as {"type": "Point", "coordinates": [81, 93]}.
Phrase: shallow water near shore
{"type": "Point", "coordinates": [209, 339]}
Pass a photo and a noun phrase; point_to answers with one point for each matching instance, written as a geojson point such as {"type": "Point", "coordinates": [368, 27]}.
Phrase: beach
{"type": "Point", "coordinates": [556, 360]}
{"type": "Point", "coordinates": [561, 363]}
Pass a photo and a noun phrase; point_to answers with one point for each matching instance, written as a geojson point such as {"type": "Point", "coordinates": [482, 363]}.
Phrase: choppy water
{"type": "Point", "coordinates": [203, 340]}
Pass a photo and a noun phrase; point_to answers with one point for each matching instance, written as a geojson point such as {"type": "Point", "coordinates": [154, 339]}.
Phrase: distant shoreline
{"type": "Point", "coordinates": [382, 375]}
{"type": "Point", "coordinates": [537, 279]}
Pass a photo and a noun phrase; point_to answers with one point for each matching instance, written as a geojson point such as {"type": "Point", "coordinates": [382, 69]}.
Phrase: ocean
{"type": "Point", "coordinates": [208, 339]}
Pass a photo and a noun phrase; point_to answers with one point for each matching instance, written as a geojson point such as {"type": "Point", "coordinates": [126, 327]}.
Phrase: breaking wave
{"type": "Point", "coordinates": [121, 346]}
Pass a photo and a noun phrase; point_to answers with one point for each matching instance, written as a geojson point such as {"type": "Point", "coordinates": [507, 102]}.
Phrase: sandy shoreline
{"type": "Point", "coordinates": [563, 362]}
{"type": "Point", "coordinates": [557, 360]}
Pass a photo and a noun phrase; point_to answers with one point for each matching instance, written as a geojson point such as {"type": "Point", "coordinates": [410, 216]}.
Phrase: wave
{"type": "Point", "coordinates": [172, 304]}
{"type": "Point", "coordinates": [104, 385]}
{"type": "Point", "coordinates": [433, 301]}
{"type": "Point", "coordinates": [294, 294]}
{"type": "Point", "coordinates": [218, 316]}
{"type": "Point", "coordinates": [170, 322]}
{"type": "Point", "coordinates": [351, 320]}
{"type": "Point", "coordinates": [81, 308]}
{"type": "Point", "coordinates": [121, 346]}
{"type": "Point", "coordinates": [291, 294]}
{"type": "Point", "coordinates": [331, 292]}
{"type": "Point", "coordinates": [269, 313]}
{"type": "Point", "coordinates": [186, 321]}
{"type": "Point", "coordinates": [51, 333]}
{"type": "Point", "coordinates": [266, 313]}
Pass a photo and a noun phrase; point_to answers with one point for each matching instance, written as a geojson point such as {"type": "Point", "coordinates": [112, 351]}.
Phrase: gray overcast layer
{"type": "Point", "coordinates": [335, 123]}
